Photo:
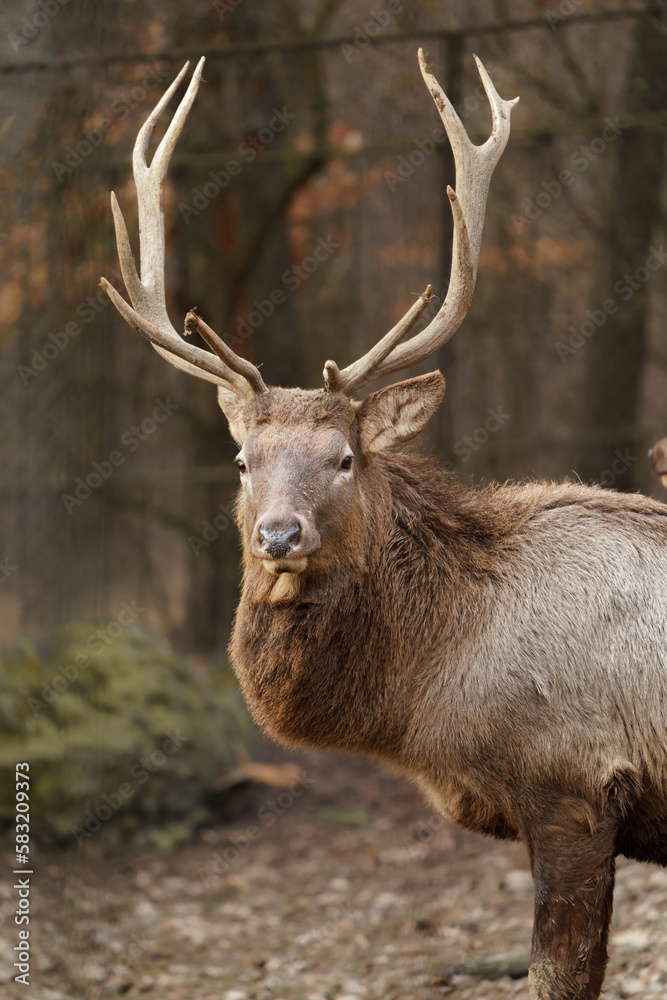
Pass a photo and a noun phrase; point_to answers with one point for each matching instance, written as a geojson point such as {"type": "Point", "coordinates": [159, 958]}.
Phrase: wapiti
{"type": "Point", "coordinates": [504, 648]}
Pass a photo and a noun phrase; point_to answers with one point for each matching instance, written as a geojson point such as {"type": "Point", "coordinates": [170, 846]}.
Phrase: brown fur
{"type": "Point", "coordinates": [474, 640]}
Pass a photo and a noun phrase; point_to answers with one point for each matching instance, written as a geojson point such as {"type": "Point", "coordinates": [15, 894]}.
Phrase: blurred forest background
{"type": "Point", "coordinates": [319, 109]}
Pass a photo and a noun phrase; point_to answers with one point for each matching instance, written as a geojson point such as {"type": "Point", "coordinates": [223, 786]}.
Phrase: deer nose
{"type": "Point", "coordinates": [278, 541]}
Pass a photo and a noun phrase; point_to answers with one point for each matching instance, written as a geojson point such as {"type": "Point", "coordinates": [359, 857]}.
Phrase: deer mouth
{"type": "Point", "coordinates": [276, 566]}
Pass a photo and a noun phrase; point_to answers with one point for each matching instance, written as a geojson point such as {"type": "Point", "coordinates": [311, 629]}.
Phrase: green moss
{"type": "Point", "coordinates": [123, 738]}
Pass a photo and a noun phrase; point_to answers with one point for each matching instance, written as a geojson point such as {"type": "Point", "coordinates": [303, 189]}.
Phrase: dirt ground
{"type": "Point", "coordinates": [349, 890]}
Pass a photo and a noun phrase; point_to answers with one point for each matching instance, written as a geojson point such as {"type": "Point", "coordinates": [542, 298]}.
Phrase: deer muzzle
{"type": "Point", "coordinates": [285, 543]}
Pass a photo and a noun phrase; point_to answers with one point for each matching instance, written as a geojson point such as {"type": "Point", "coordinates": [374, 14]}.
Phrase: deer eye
{"type": "Point", "coordinates": [346, 463]}
{"type": "Point", "coordinates": [240, 465]}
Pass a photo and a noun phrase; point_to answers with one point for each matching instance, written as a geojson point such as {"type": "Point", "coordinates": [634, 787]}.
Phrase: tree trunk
{"type": "Point", "coordinates": [616, 351]}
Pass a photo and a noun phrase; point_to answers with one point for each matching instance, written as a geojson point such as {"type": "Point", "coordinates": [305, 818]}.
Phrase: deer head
{"type": "Point", "coordinates": [304, 454]}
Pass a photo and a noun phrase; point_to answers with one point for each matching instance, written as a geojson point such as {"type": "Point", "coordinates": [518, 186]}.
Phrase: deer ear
{"type": "Point", "coordinates": [232, 407]}
{"type": "Point", "coordinates": [399, 412]}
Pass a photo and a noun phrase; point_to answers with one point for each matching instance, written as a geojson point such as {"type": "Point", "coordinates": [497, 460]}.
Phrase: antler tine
{"type": "Point", "coordinates": [474, 167]}
{"type": "Point", "coordinates": [179, 353]}
{"type": "Point", "coordinates": [150, 180]}
{"type": "Point", "coordinates": [358, 373]}
{"type": "Point", "coordinates": [239, 365]}
{"type": "Point", "coordinates": [148, 313]}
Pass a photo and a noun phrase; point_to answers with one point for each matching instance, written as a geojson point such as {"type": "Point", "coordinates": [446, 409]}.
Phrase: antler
{"type": "Point", "coordinates": [474, 166]}
{"type": "Point", "coordinates": [149, 315]}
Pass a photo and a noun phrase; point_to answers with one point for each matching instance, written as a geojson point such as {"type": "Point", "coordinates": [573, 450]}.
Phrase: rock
{"type": "Point", "coordinates": [515, 966]}
{"type": "Point", "coordinates": [518, 880]}
{"type": "Point", "coordinates": [631, 941]}
{"type": "Point", "coordinates": [123, 739]}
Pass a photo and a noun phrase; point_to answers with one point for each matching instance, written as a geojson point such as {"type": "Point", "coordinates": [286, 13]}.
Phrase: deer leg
{"type": "Point", "coordinates": [573, 871]}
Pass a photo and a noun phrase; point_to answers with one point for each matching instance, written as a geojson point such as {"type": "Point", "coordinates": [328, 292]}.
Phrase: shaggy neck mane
{"type": "Point", "coordinates": [331, 663]}
{"type": "Point", "coordinates": [432, 516]}
{"type": "Point", "coordinates": [339, 661]}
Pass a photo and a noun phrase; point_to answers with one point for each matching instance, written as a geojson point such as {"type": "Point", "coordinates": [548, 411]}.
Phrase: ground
{"type": "Point", "coordinates": [350, 889]}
